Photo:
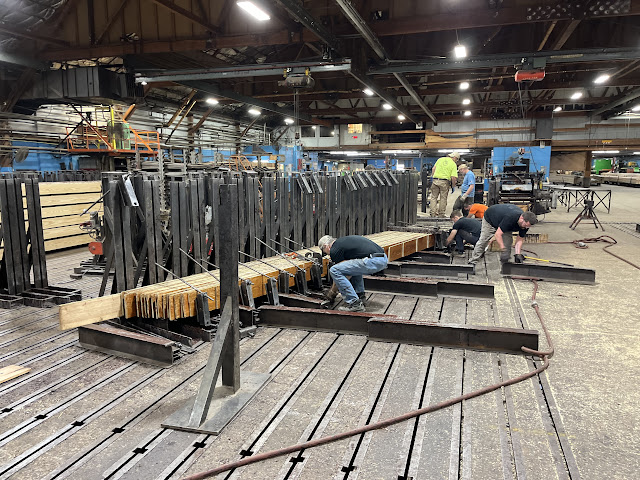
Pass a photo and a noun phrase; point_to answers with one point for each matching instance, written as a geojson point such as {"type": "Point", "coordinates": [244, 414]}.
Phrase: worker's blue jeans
{"type": "Point", "coordinates": [350, 288]}
{"type": "Point", "coordinates": [464, 236]}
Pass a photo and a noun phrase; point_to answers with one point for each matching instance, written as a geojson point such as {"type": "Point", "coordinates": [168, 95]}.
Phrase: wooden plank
{"type": "Point", "coordinates": [66, 242]}
{"type": "Point", "coordinates": [90, 311]}
{"type": "Point", "coordinates": [59, 188]}
{"type": "Point", "coordinates": [59, 200]}
{"type": "Point", "coordinates": [77, 209]}
{"type": "Point", "coordinates": [65, 221]}
{"type": "Point", "coordinates": [12, 371]}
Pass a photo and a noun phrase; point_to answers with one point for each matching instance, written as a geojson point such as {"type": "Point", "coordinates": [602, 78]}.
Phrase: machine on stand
{"type": "Point", "coordinates": [517, 185]}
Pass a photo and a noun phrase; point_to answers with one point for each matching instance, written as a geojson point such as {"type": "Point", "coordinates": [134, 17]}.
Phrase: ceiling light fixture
{"type": "Point", "coordinates": [448, 150]}
{"type": "Point", "coordinates": [460, 51]}
{"type": "Point", "coordinates": [401, 117]}
{"type": "Point", "coordinates": [636, 108]}
{"type": "Point", "coordinates": [602, 78]}
{"type": "Point", "coordinates": [464, 85]}
{"type": "Point", "coordinates": [253, 10]}
{"type": "Point", "coordinates": [576, 96]}
{"type": "Point", "coordinates": [212, 101]}
{"type": "Point", "coordinates": [466, 101]}
{"type": "Point", "coordinates": [313, 127]}
{"type": "Point", "coordinates": [143, 83]}
{"type": "Point", "coordinates": [606, 151]}
{"type": "Point", "coordinates": [467, 113]}
{"type": "Point", "coordinates": [386, 106]}
{"type": "Point", "coordinates": [557, 109]}
{"type": "Point", "coordinates": [254, 111]}
{"type": "Point", "coordinates": [288, 121]}
{"type": "Point", "coordinates": [368, 91]}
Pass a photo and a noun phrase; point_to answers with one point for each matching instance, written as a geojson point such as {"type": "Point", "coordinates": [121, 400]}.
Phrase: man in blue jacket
{"type": "Point", "coordinates": [467, 189]}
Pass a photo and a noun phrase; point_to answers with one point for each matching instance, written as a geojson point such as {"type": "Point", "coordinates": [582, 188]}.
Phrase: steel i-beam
{"type": "Point", "coordinates": [428, 288]}
{"type": "Point", "coordinates": [550, 273]}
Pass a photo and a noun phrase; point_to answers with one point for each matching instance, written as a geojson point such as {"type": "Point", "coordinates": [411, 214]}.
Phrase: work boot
{"type": "Point", "coordinates": [356, 306]}
{"type": "Point", "coordinates": [363, 298]}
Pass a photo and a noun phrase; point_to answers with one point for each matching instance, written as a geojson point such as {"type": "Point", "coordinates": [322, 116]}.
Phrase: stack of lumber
{"type": "Point", "coordinates": [174, 300]}
{"type": "Point", "coordinates": [631, 179]}
{"type": "Point", "coordinates": [62, 203]}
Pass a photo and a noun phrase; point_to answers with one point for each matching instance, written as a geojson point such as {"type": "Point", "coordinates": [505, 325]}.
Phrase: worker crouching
{"type": "Point", "coordinates": [353, 256]}
{"type": "Point", "coordinates": [465, 230]}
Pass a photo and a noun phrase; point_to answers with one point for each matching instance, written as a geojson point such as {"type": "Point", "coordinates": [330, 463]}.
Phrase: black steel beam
{"type": "Point", "coordinates": [389, 328]}
{"type": "Point", "coordinates": [316, 319]}
{"type": "Point", "coordinates": [136, 346]}
{"type": "Point", "coordinates": [428, 288]}
{"type": "Point", "coordinates": [301, 14]}
{"type": "Point", "coordinates": [293, 300]}
{"type": "Point", "coordinates": [462, 336]}
{"type": "Point", "coordinates": [550, 273]}
{"type": "Point", "coordinates": [416, 269]}
{"type": "Point", "coordinates": [428, 257]}
{"type": "Point", "coordinates": [508, 60]}
{"type": "Point", "coordinates": [239, 71]}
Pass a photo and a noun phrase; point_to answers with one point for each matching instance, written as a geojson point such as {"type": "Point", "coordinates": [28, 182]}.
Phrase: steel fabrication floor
{"type": "Point", "coordinates": [84, 415]}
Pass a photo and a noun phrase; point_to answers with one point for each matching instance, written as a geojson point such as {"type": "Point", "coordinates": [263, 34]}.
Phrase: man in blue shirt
{"type": "Point", "coordinates": [467, 189]}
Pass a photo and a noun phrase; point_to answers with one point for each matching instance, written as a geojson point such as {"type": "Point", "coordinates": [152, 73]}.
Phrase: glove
{"type": "Point", "coordinates": [518, 258]}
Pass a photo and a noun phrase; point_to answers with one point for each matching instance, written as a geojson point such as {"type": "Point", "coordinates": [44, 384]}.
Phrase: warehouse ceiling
{"type": "Point", "coordinates": [401, 53]}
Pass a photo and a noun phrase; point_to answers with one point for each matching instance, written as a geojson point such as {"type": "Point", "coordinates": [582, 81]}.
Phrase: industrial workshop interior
{"type": "Point", "coordinates": [319, 239]}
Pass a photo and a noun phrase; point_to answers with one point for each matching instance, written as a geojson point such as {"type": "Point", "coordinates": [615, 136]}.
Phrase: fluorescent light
{"type": "Point", "coordinates": [636, 108]}
{"type": "Point", "coordinates": [464, 85]}
{"type": "Point", "coordinates": [350, 153]}
{"type": "Point", "coordinates": [333, 132]}
{"type": "Point", "coordinates": [401, 117]}
{"type": "Point", "coordinates": [252, 9]}
{"type": "Point", "coordinates": [557, 109]}
{"type": "Point", "coordinates": [391, 152]}
{"type": "Point", "coordinates": [451, 151]}
{"type": "Point", "coordinates": [636, 153]}
{"type": "Point", "coordinates": [212, 101]}
{"type": "Point", "coordinates": [368, 91]}
{"type": "Point", "coordinates": [576, 96]}
{"type": "Point", "coordinates": [606, 151]}
{"type": "Point", "coordinates": [254, 111]}
{"type": "Point", "coordinates": [602, 78]}
{"type": "Point", "coordinates": [288, 121]}
{"type": "Point", "coordinates": [467, 113]}
{"type": "Point", "coordinates": [386, 106]}
{"type": "Point", "coordinates": [460, 51]}
{"type": "Point", "coordinates": [143, 83]}
{"type": "Point", "coordinates": [314, 127]}
{"type": "Point", "coordinates": [466, 101]}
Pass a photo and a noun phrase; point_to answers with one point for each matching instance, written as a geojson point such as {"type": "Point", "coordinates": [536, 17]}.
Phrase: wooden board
{"type": "Point", "coordinates": [12, 371]}
{"type": "Point", "coordinates": [60, 243]}
{"type": "Point", "coordinates": [61, 188]}
{"type": "Point", "coordinates": [94, 310]}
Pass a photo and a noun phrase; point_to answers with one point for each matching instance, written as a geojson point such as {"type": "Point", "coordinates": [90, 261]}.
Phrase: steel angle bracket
{"type": "Point", "coordinates": [392, 178]}
{"type": "Point", "coordinates": [428, 288]}
{"type": "Point", "coordinates": [380, 179]}
{"type": "Point", "coordinates": [413, 269]}
{"type": "Point", "coordinates": [369, 178]}
{"type": "Point", "coordinates": [550, 273]}
{"type": "Point", "coordinates": [351, 184]}
{"type": "Point", "coordinates": [315, 183]}
{"type": "Point", "coordinates": [461, 336]}
{"type": "Point", "coordinates": [303, 183]}
{"type": "Point", "coordinates": [361, 180]}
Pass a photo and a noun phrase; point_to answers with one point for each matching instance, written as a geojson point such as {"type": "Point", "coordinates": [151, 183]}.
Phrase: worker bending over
{"type": "Point", "coordinates": [353, 256]}
{"type": "Point", "coordinates": [467, 189]}
{"type": "Point", "coordinates": [502, 220]}
{"type": "Point", "coordinates": [464, 230]}
{"type": "Point", "coordinates": [476, 210]}
{"type": "Point", "coordinates": [445, 174]}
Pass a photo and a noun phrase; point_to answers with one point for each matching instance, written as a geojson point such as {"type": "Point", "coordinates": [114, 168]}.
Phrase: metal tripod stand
{"type": "Point", "coordinates": [587, 213]}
